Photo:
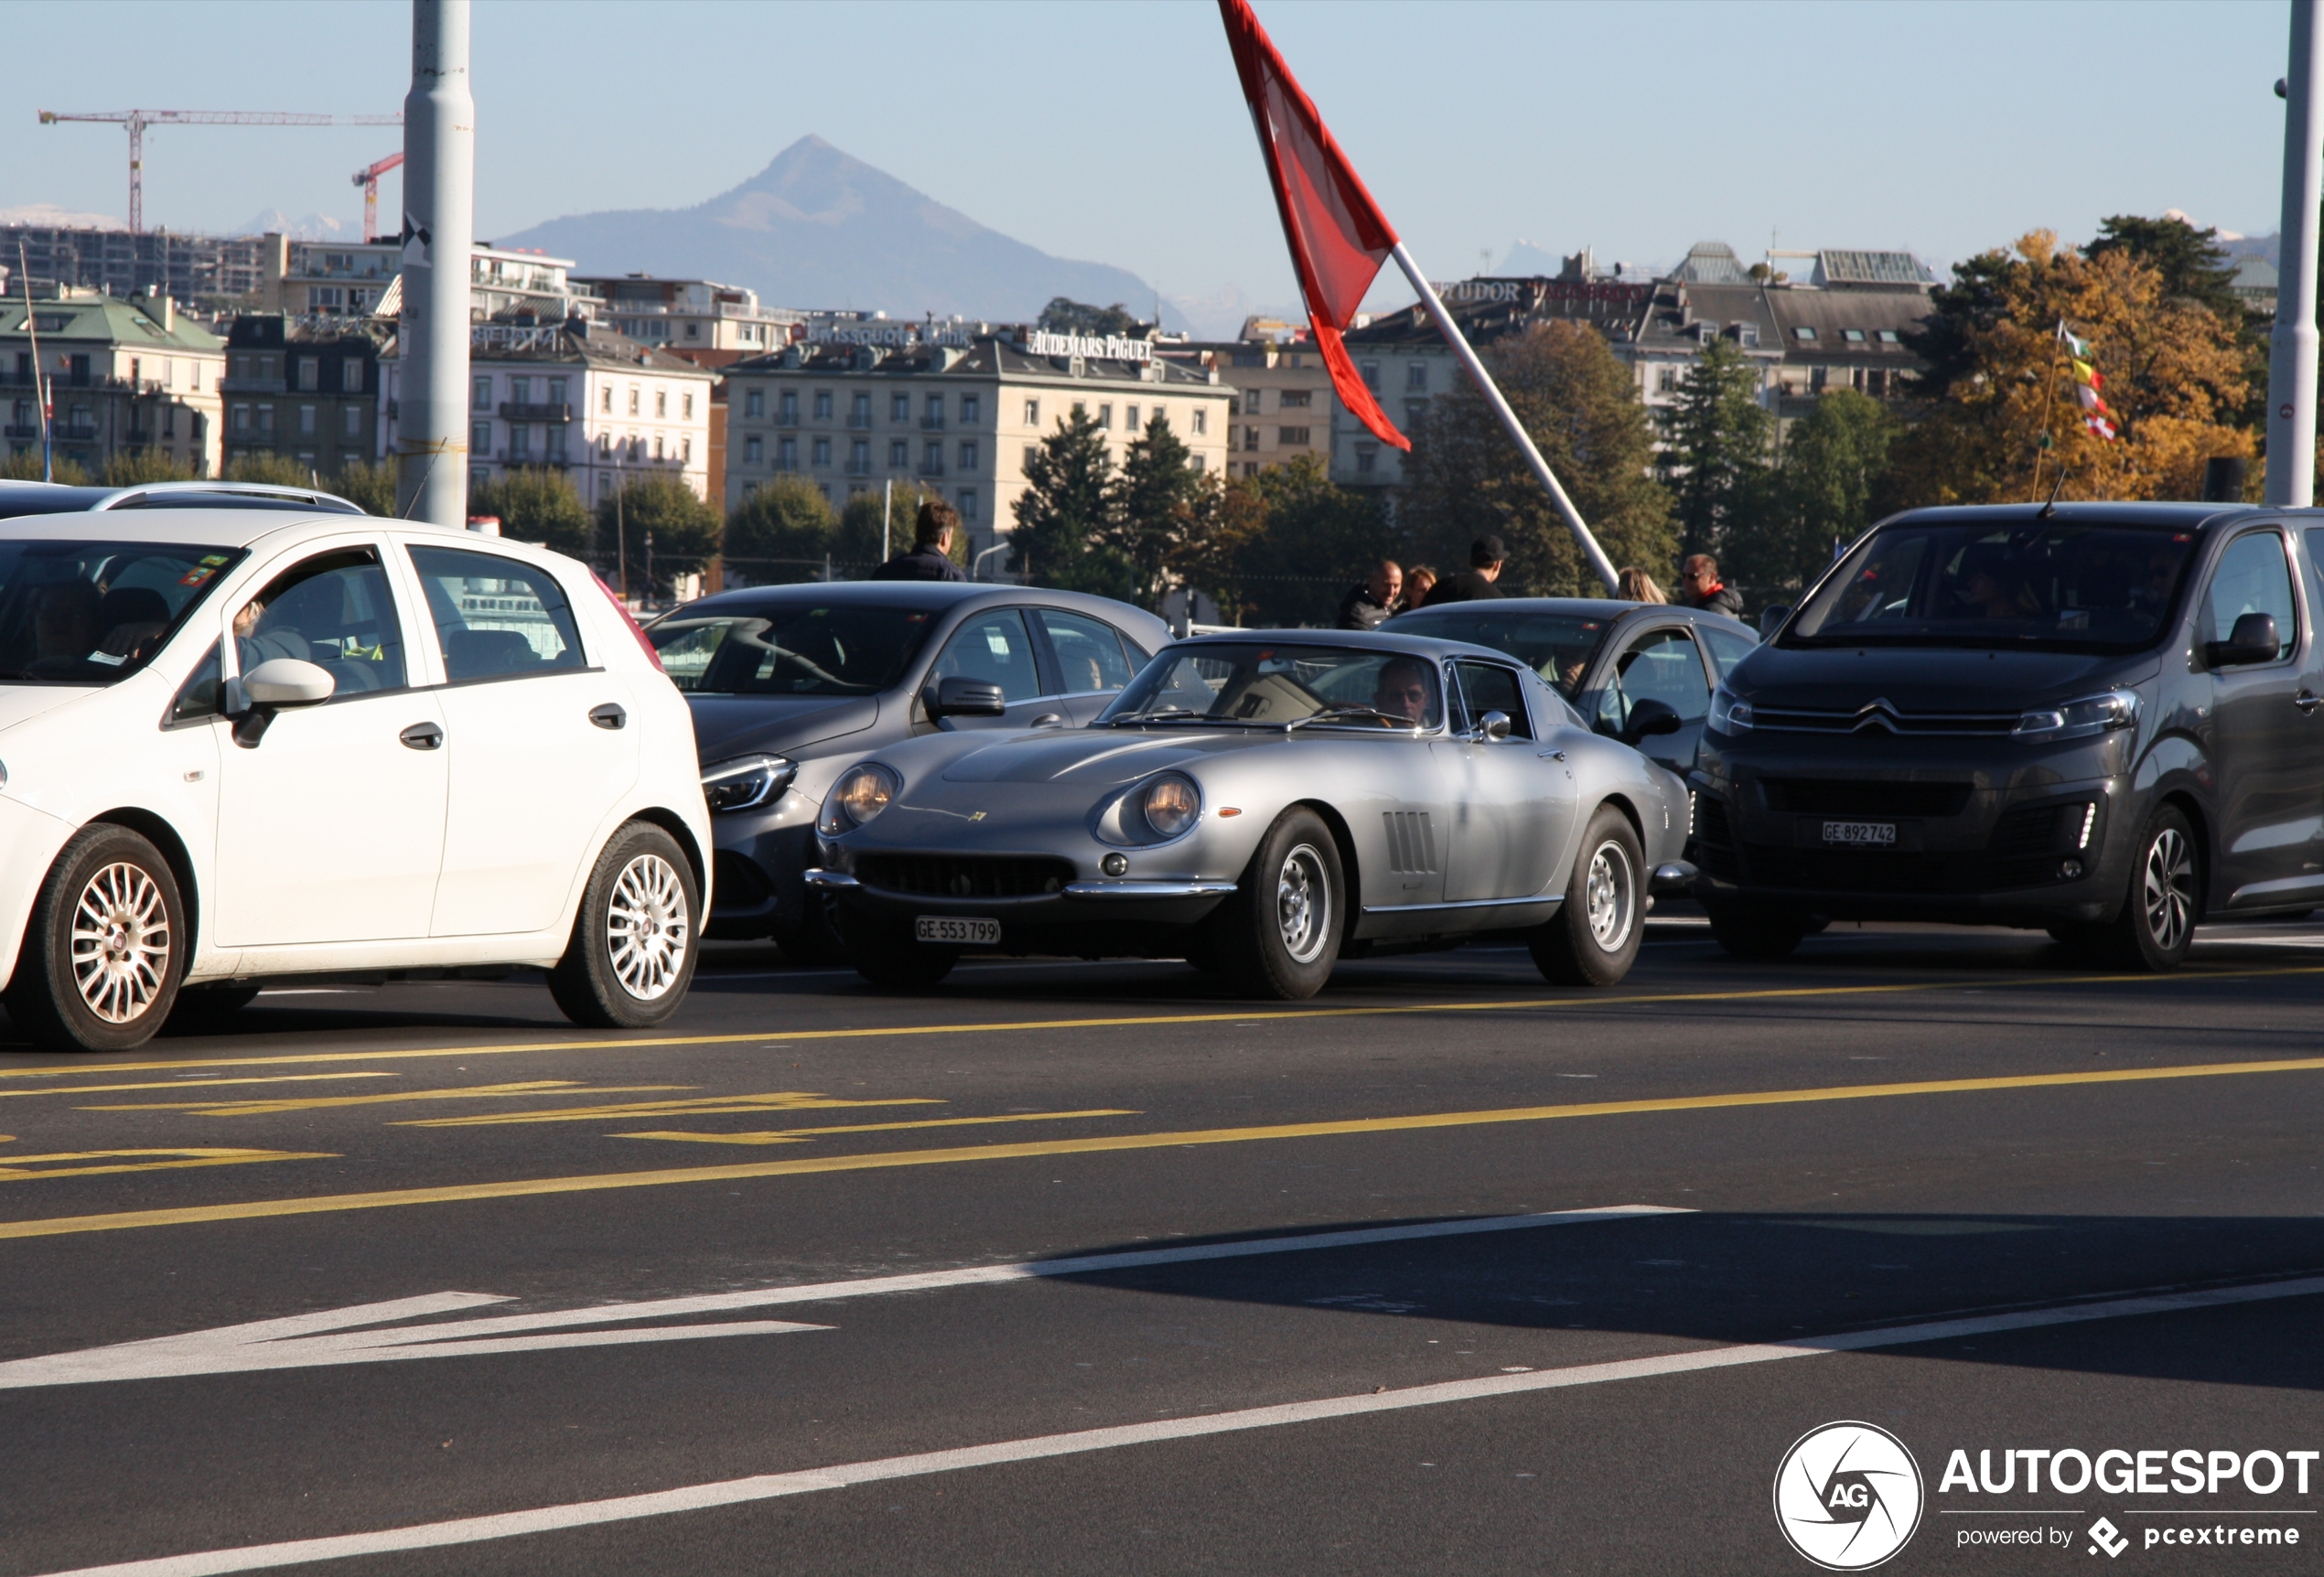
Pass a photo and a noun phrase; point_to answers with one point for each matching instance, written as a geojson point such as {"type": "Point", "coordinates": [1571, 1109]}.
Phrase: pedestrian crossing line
{"type": "Point", "coordinates": [529, 1187]}
{"type": "Point", "coordinates": [801, 1135]}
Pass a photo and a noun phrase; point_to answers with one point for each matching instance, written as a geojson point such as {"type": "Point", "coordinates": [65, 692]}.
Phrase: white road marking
{"type": "Point", "coordinates": [773, 1486]}
{"type": "Point", "coordinates": [306, 1341]}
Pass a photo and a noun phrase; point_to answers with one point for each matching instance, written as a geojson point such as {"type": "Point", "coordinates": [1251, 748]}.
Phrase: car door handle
{"type": "Point", "coordinates": [423, 737]}
{"type": "Point", "coordinates": [609, 715]}
{"type": "Point", "coordinates": [2307, 701]}
{"type": "Point", "coordinates": [1049, 720]}
{"type": "Point", "coordinates": [1551, 755]}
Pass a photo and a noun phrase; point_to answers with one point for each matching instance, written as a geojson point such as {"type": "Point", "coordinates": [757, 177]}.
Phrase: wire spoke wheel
{"type": "Point", "coordinates": [120, 942]}
{"type": "Point", "coordinates": [646, 927]}
{"type": "Point", "coordinates": [1303, 903]}
{"type": "Point", "coordinates": [1610, 895]}
{"type": "Point", "coordinates": [2166, 889]}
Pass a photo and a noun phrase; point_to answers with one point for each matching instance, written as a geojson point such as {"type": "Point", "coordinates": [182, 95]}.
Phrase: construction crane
{"type": "Point", "coordinates": [138, 119]}
{"type": "Point", "coordinates": [369, 179]}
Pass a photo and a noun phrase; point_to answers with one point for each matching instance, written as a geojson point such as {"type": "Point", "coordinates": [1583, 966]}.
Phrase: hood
{"type": "Point", "coordinates": [1927, 678]}
{"type": "Point", "coordinates": [729, 725]}
{"type": "Point", "coordinates": [1099, 758]}
{"type": "Point", "coordinates": [21, 703]}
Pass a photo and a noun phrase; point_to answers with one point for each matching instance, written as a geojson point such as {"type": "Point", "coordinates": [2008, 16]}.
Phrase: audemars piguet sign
{"type": "Point", "coordinates": [1089, 347]}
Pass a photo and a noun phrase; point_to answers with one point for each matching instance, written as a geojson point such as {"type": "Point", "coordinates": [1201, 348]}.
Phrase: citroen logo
{"type": "Point", "coordinates": [1878, 713]}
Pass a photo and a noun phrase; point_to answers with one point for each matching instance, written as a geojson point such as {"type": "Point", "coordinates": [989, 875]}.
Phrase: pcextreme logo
{"type": "Point", "coordinates": [1848, 1495]}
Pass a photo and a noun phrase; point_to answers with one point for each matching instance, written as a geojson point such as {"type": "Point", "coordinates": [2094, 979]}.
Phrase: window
{"type": "Point", "coordinates": [1130, 419]}
{"type": "Point", "coordinates": [789, 414]}
{"type": "Point", "coordinates": [265, 418]}
{"type": "Point", "coordinates": [1293, 399]}
{"type": "Point", "coordinates": [787, 455]}
{"type": "Point", "coordinates": [1201, 420]}
{"type": "Point", "coordinates": [557, 445]}
{"type": "Point", "coordinates": [1251, 440]}
{"type": "Point", "coordinates": [1105, 417]}
{"type": "Point", "coordinates": [1660, 665]}
{"type": "Point", "coordinates": [932, 460]}
{"type": "Point", "coordinates": [1852, 335]}
{"type": "Point", "coordinates": [967, 503]}
{"type": "Point", "coordinates": [351, 376]}
{"type": "Point", "coordinates": [1804, 332]}
{"type": "Point", "coordinates": [633, 399]}
{"type": "Point", "coordinates": [859, 455]}
{"type": "Point", "coordinates": [480, 440]}
{"type": "Point", "coordinates": [657, 446]}
{"type": "Point", "coordinates": [934, 410]}
{"type": "Point", "coordinates": [1483, 687]}
{"type": "Point", "coordinates": [968, 454]}
{"type": "Point", "coordinates": [197, 698]}
{"type": "Point", "coordinates": [1029, 453]}
{"type": "Point", "coordinates": [1727, 648]}
{"type": "Point", "coordinates": [1367, 455]}
{"type": "Point", "coordinates": [1887, 336]}
{"type": "Point", "coordinates": [1087, 652]}
{"type": "Point", "coordinates": [859, 411]}
{"type": "Point", "coordinates": [2253, 577]}
{"type": "Point", "coordinates": [1032, 413]}
{"type": "Point", "coordinates": [241, 422]}
{"type": "Point", "coordinates": [996, 649]}
{"type": "Point", "coordinates": [169, 418]}
{"type": "Point", "coordinates": [823, 451]}
{"type": "Point", "coordinates": [495, 618]}
{"type": "Point", "coordinates": [521, 391]}
{"type": "Point", "coordinates": [483, 401]}
{"type": "Point", "coordinates": [971, 409]}
{"type": "Point", "coordinates": [1238, 404]}
{"type": "Point", "coordinates": [1372, 375]}
{"type": "Point", "coordinates": [899, 453]}
{"type": "Point", "coordinates": [352, 423]}
{"type": "Point", "coordinates": [1417, 375]}
{"type": "Point", "coordinates": [557, 390]}
{"type": "Point", "coordinates": [822, 405]}
{"type": "Point", "coordinates": [307, 421]}
{"type": "Point", "coordinates": [754, 402]}
{"type": "Point", "coordinates": [1197, 463]}
{"type": "Point", "coordinates": [1294, 437]}
{"type": "Point", "coordinates": [332, 610]}
{"type": "Point", "coordinates": [605, 400]}
{"type": "Point", "coordinates": [900, 407]}
{"type": "Point", "coordinates": [520, 443]}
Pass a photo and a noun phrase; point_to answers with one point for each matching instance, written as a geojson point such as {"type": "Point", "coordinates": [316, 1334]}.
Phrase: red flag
{"type": "Point", "coordinates": [1337, 235]}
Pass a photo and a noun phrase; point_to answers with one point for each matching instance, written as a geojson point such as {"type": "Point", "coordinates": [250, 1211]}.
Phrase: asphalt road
{"type": "Point", "coordinates": [1449, 1270]}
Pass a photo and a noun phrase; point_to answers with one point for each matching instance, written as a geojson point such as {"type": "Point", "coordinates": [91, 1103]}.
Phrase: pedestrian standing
{"type": "Point", "coordinates": [1634, 585]}
{"type": "Point", "coordinates": [1486, 557]}
{"type": "Point", "coordinates": [930, 558]}
{"type": "Point", "coordinates": [1699, 586]}
{"type": "Point", "coordinates": [1367, 604]}
{"type": "Point", "coordinates": [1419, 581]}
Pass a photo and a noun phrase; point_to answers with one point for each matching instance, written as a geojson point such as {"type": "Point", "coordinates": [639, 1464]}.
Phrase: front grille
{"type": "Point", "coordinates": [1869, 797]}
{"type": "Point", "coordinates": [964, 875]}
{"type": "Point", "coordinates": [1881, 717]}
{"type": "Point", "coordinates": [1711, 824]}
{"type": "Point", "coordinates": [738, 883]}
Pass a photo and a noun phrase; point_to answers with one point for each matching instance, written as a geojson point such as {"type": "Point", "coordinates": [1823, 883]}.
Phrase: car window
{"type": "Point", "coordinates": [496, 618]}
{"type": "Point", "coordinates": [1660, 665]}
{"type": "Point", "coordinates": [1727, 648]}
{"type": "Point", "coordinates": [1487, 687]}
{"type": "Point", "coordinates": [2252, 577]}
{"type": "Point", "coordinates": [1089, 652]}
{"type": "Point", "coordinates": [197, 698]}
{"type": "Point", "coordinates": [89, 612]}
{"type": "Point", "coordinates": [994, 648]}
{"type": "Point", "coordinates": [332, 610]}
{"type": "Point", "coordinates": [1272, 684]}
{"type": "Point", "coordinates": [1558, 646]}
{"type": "Point", "coordinates": [788, 648]}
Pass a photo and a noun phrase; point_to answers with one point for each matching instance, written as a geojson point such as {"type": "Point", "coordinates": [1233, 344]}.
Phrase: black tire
{"type": "Point", "coordinates": [2156, 929]}
{"type": "Point", "coordinates": [1760, 935]}
{"type": "Point", "coordinates": [636, 937]}
{"type": "Point", "coordinates": [1279, 936]}
{"type": "Point", "coordinates": [112, 895]}
{"type": "Point", "coordinates": [1593, 938]}
{"type": "Point", "coordinates": [888, 955]}
{"type": "Point", "coordinates": [207, 1009]}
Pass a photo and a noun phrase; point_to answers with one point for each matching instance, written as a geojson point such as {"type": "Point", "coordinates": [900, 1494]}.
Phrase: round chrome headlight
{"type": "Point", "coordinates": [862, 792]}
{"type": "Point", "coordinates": [1170, 805]}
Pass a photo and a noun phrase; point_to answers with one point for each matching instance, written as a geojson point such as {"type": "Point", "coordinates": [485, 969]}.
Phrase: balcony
{"type": "Point", "coordinates": [253, 385]}
{"type": "Point", "coordinates": [73, 432]}
{"type": "Point", "coordinates": [536, 411]}
{"type": "Point", "coordinates": [928, 467]}
{"type": "Point", "coordinates": [859, 420]}
{"type": "Point", "coordinates": [933, 423]}
{"type": "Point", "coordinates": [22, 430]}
{"type": "Point", "coordinates": [786, 418]}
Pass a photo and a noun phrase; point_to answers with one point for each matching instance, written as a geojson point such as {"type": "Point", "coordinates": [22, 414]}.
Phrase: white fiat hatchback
{"type": "Point", "coordinates": [238, 744]}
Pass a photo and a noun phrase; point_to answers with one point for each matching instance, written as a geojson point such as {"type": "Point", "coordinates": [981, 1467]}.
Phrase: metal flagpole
{"type": "Point", "coordinates": [886, 513]}
{"type": "Point", "coordinates": [1462, 347]}
{"type": "Point", "coordinates": [2291, 363]}
{"type": "Point", "coordinates": [40, 386]}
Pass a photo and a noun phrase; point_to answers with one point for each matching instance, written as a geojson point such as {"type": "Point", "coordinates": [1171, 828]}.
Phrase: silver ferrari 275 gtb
{"type": "Point", "coordinates": [1261, 804]}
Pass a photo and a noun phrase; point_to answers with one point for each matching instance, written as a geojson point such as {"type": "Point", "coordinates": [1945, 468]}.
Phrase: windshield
{"type": "Point", "coordinates": [2045, 586]}
{"type": "Point", "coordinates": [790, 649]}
{"type": "Point", "coordinates": [1558, 646]}
{"type": "Point", "coordinates": [1275, 685]}
{"type": "Point", "coordinates": [89, 612]}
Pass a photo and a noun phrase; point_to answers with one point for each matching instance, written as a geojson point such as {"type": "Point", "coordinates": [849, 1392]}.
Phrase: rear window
{"type": "Point", "coordinates": [790, 649]}
{"type": "Point", "coordinates": [90, 612]}
{"type": "Point", "coordinates": [1558, 646]}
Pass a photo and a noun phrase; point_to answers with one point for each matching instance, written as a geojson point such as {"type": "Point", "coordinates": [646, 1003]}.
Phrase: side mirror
{"type": "Point", "coordinates": [2252, 640]}
{"type": "Point", "coordinates": [1771, 619]}
{"type": "Point", "coordinates": [1650, 717]}
{"type": "Point", "coordinates": [1493, 726]}
{"type": "Point", "coordinates": [288, 682]}
{"type": "Point", "coordinates": [959, 697]}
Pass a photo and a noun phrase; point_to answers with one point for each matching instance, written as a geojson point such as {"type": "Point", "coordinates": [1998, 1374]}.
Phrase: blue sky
{"type": "Point", "coordinates": [1114, 132]}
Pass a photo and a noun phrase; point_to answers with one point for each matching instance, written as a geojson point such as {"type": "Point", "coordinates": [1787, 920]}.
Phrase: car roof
{"type": "Point", "coordinates": [209, 525]}
{"type": "Point", "coordinates": [930, 594]}
{"type": "Point", "coordinates": [1607, 608]}
{"type": "Point", "coordinates": [2176, 515]}
{"type": "Point", "coordinates": [1355, 640]}
{"type": "Point", "coordinates": [29, 497]}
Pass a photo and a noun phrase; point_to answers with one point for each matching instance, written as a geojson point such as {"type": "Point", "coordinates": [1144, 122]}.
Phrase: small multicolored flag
{"type": "Point", "coordinates": [2085, 373]}
{"type": "Point", "coordinates": [2079, 347]}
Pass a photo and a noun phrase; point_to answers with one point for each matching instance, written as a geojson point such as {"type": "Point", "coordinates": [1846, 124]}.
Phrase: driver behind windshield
{"type": "Point", "coordinates": [64, 626]}
{"type": "Point", "coordinates": [1404, 689]}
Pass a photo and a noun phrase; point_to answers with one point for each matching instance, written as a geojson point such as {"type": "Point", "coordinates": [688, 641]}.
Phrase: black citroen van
{"type": "Point", "coordinates": [2100, 720]}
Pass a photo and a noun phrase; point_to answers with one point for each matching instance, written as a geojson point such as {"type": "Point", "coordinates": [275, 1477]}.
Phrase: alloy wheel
{"type": "Point", "coordinates": [120, 943]}
{"type": "Point", "coordinates": [1303, 904]}
{"type": "Point", "coordinates": [1612, 893]}
{"type": "Point", "coordinates": [646, 927]}
{"type": "Point", "coordinates": [2166, 889]}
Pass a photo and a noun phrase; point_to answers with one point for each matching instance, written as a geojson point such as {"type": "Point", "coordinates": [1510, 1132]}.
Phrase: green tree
{"type": "Point", "coordinates": [685, 530]}
{"type": "Point", "coordinates": [1833, 460]}
{"type": "Point", "coordinates": [1063, 315]}
{"type": "Point", "coordinates": [787, 519]}
{"type": "Point", "coordinates": [133, 466]}
{"type": "Point", "coordinates": [270, 469]}
{"type": "Point", "coordinates": [1159, 508]}
{"type": "Point", "coordinates": [371, 486]}
{"type": "Point", "coordinates": [2194, 267]}
{"type": "Point", "coordinates": [1065, 516]}
{"type": "Point", "coordinates": [26, 467]}
{"type": "Point", "coordinates": [1284, 546]}
{"type": "Point", "coordinates": [538, 505]}
{"type": "Point", "coordinates": [1581, 408]}
{"type": "Point", "coordinates": [1716, 449]}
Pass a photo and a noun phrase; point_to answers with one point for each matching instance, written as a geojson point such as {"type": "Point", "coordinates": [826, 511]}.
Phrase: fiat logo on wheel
{"type": "Point", "coordinates": [1848, 1495]}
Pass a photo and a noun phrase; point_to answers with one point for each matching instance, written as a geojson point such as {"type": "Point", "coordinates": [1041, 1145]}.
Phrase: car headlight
{"type": "Point", "coordinates": [1728, 715]}
{"type": "Point", "coordinates": [862, 792]}
{"type": "Point", "coordinates": [747, 780]}
{"type": "Point", "coordinates": [1170, 805]}
{"type": "Point", "coordinates": [2079, 719]}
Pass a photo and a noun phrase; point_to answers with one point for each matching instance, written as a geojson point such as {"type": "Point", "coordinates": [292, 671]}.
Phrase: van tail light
{"type": "Point", "coordinates": [635, 627]}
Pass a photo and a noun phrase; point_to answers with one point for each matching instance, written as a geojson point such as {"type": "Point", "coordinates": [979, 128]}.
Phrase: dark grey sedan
{"type": "Point", "coordinates": [792, 685]}
{"type": "Point", "coordinates": [1639, 672]}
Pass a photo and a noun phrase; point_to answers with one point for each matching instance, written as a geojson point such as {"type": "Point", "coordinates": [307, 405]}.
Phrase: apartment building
{"type": "Point", "coordinates": [960, 422]}
{"type": "Point", "coordinates": [358, 279]}
{"type": "Point", "coordinates": [213, 271]}
{"type": "Point", "coordinates": [121, 374]}
{"type": "Point", "coordinates": [1281, 407]}
{"type": "Point", "coordinates": [690, 314]}
{"type": "Point", "coordinates": [304, 387]}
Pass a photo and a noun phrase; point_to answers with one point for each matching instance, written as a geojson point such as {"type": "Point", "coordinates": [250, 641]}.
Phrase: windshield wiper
{"type": "Point", "coordinates": [1157, 714]}
{"type": "Point", "coordinates": [1336, 713]}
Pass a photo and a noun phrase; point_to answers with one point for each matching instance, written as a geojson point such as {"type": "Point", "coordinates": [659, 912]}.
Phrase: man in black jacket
{"type": "Point", "coordinates": [1486, 556]}
{"type": "Point", "coordinates": [931, 556]}
{"type": "Point", "coordinates": [1369, 603]}
{"type": "Point", "coordinates": [1699, 586]}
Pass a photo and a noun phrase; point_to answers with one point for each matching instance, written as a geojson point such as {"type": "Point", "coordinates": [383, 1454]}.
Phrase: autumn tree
{"type": "Point", "coordinates": [2194, 267]}
{"type": "Point", "coordinates": [1581, 408]}
{"type": "Point", "coordinates": [1716, 451]}
{"type": "Point", "coordinates": [2000, 405]}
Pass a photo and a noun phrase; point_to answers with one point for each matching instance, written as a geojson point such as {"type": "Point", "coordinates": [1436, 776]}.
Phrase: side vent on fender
{"type": "Point", "coordinates": [1412, 843]}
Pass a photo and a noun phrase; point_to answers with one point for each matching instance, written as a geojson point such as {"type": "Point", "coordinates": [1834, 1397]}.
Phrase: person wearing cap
{"type": "Point", "coordinates": [1486, 556]}
{"type": "Point", "coordinates": [931, 556]}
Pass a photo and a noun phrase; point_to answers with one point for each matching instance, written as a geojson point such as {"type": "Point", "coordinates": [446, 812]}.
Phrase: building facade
{"type": "Point", "coordinates": [690, 314]}
{"type": "Point", "coordinates": [215, 272]}
{"type": "Point", "coordinates": [120, 376]}
{"type": "Point", "coordinates": [958, 421]}
{"type": "Point", "coordinates": [1281, 407]}
{"type": "Point", "coordinates": [306, 388]}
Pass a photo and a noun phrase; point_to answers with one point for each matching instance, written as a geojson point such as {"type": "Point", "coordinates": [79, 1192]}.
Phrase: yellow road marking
{"type": "Point", "coordinates": [312, 1102]}
{"type": "Point", "coordinates": [253, 1209]}
{"type": "Point", "coordinates": [708, 1105]}
{"type": "Point", "coordinates": [26, 1168]}
{"type": "Point", "coordinates": [1019, 1026]}
{"type": "Point", "coordinates": [801, 1135]}
{"type": "Point", "coordinates": [191, 1084]}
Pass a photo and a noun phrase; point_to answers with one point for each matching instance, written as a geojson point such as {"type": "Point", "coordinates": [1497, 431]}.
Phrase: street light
{"type": "Point", "coordinates": [976, 565]}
